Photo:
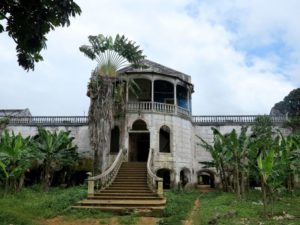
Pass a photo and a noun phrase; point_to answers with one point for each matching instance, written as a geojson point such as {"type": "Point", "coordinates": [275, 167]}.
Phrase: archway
{"type": "Point", "coordinates": [166, 175]}
{"type": "Point", "coordinates": [206, 177]}
{"type": "Point", "coordinates": [139, 141]}
{"type": "Point", "coordinates": [185, 176]}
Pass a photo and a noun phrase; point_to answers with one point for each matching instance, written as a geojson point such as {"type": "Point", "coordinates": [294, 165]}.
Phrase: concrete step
{"type": "Point", "coordinates": [120, 197]}
{"type": "Point", "coordinates": [141, 194]}
{"type": "Point", "coordinates": [123, 202]}
{"type": "Point", "coordinates": [126, 191]}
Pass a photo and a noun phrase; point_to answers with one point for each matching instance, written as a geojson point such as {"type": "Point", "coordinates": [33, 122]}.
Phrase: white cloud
{"type": "Point", "coordinates": [201, 44]}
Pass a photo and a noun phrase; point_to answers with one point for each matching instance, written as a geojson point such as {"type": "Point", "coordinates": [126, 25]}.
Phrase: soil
{"type": "Point", "coordinates": [61, 220]}
{"type": "Point", "coordinates": [190, 220]}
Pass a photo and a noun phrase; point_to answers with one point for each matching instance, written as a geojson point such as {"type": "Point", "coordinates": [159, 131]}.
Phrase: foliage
{"type": "Point", "coordinates": [112, 53]}
{"type": "Point", "coordinates": [178, 206]}
{"type": "Point", "coordinates": [30, 205]}
{"type": "Point", "coordinates": [16, 156]}
{"type": "Point", "coordinates": [290, 106]}
{"type": "Point", "coordinates": [229, 157]}
{"type": "Point", "coordinates": [233, 211]}
{"type": "Point", "coordinates": [56, 150]}
{"type": "Point", "coordinates": [28, 22]}
{"type": "Point", "coordinates": [106, 88]}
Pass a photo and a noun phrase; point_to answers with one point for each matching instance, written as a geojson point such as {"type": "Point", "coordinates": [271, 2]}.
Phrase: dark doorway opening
{"type": "Point", "coordinates": [165, 174]}
{"type": "Point", "coordinates": [206, 178]}
{"type": "Point", "coordinates": [139, 144]}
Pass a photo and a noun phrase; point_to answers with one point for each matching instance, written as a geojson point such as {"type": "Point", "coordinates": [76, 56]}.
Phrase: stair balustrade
{"type": "Point", "coordinates": [155, 183]}
{"type": "Point", "coordinates": [108, 176]}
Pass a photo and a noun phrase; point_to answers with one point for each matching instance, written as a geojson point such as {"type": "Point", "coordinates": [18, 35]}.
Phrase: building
{"type": "Point", "coordinates": [158, 124]}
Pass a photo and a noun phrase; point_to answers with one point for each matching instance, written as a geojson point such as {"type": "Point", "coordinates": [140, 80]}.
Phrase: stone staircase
{"type": "Point", "coordinates": [129, 191]}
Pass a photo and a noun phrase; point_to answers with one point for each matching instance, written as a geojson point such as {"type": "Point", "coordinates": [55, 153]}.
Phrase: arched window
{"type": "Point", "coordinates": [139, 125]}
{"type": "Point", "coordinates": [115, 140]}
{"type": "Point", "coordinates": [164, 139]}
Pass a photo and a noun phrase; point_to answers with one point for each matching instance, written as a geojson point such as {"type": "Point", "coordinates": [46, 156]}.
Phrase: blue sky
{"type": "Point", "coordinates": [243, 56]}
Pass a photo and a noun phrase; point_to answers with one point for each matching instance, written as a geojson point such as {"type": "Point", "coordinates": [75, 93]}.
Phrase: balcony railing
{"type": "Point", "coordinates": [49, 120]}
{"type": "Point", "coordinates": [143, 107]}
{"type": "Point", "coordinates": [156, 107]}
{"type": "Point", "coordinates": [237, 119]}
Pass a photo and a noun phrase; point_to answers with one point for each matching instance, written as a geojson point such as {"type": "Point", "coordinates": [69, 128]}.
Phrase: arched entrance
{"type": "Point", "coordinates": [139, 142]}
{"type": "Point", "coordinates": [185, 176]}
{"type": "Point", "coordinates": [206, 177]}
{"type": "Point", "coordinates": [166, 175]}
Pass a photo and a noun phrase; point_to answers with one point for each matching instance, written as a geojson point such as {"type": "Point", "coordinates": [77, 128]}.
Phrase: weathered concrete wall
{"type": "Point", "coordinates": [80, 134]}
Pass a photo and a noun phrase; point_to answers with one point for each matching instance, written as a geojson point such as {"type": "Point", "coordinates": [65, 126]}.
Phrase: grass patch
{"type": "Point", "coordinates": [129, 219]}
{"type": "Point", "coordinates": [179, 204]}
{"type": "Point", "coordinates": [31, 205]}
{"type": "Point", "coordinates": [248, 211]}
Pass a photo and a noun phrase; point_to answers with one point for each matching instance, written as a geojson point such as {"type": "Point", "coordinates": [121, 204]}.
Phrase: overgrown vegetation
{"type": "Point", "coordinates": [106, 88]}
{"type": "Point", "coordinates": [224, 208]}
{"type": "Point", "coordinates": [51, 150]}
{"type": "Point", "coordinates": [178, 206]}
{"type": "Point", "coordinates": [266, 156]}
{"type": "Point", "coordinates": [30, 206]}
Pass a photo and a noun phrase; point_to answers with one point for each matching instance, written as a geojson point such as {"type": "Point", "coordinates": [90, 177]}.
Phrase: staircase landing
{"type": "Point", "coordinates": [128, 192]}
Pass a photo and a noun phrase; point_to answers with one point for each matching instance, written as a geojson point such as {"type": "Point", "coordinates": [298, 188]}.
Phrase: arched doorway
{"type": "Point", "coordinates": [166, 175]}
{"type": "Point", "coordinates": [206, 177]}
{"type": "Point", "coordinates": [185, 176]}
{"type": "Point", "coordinates": [139, 141]}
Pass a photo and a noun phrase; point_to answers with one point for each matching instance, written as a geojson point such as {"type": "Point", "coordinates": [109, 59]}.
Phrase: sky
{"type": "Point", "coordinates": [243, 56]}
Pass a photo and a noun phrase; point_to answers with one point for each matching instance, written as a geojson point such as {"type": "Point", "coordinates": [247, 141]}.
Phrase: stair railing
{"type": "Point", "coordinates": [155, 183]}
{"type": "Point", "coordinates": [108, 176]}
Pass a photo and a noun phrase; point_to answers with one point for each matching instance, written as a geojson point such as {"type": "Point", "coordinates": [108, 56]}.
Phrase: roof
{"type": "Point", "coordinates": [149, 66]}
{"type": "Point", "coordinates": [14, 112]}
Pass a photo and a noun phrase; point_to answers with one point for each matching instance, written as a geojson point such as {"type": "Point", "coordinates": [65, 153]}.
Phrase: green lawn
{"type": "Point", "coordinates": [31, 205]}
{"type": "Point", "coordinates": [233, 211]}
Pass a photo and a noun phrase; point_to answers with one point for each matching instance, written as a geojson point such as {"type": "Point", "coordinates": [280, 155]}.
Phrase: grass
{"type": "Point", "coordinates": [179, 204]}
{"type": "Point", "coordinates": [31, 205]}
{"type": "Point", "coordinates": [248, 211]}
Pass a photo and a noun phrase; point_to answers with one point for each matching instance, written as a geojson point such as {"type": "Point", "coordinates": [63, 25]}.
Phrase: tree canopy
{"type": "Point", "coordinates": [28, 22]}
{"type": "Point", "coordinates": [290, 104]}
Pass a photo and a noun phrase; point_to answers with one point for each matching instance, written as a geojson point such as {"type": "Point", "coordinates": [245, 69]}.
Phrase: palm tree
{"type": "Point", "coordinates": [106, 88]}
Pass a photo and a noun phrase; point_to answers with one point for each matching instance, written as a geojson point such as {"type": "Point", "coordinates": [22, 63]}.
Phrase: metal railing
{"type": "Point", "coordinates": [155, 183]}
{"type": "Point", "coordinates": [235, 119]}
{"type": "Point", "coordinates": [48, 120]}
{"type": "Point", "coordinates": [156, 107]}
{"type": "Point", "coordinates": [107, 177]}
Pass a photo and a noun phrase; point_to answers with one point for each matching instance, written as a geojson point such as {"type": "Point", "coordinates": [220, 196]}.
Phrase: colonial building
{"type": "Point", "coordinates": [158, 124]}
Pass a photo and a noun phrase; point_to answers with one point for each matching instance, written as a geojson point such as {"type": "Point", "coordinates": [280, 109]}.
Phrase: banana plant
{"type": "Point", "coordinates": [16, 156]}
{"type": "Point", "coordinates": [55, 150]}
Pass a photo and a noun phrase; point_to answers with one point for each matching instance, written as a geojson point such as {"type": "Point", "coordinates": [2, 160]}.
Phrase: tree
{"type": "Point", "coordinates": [55, 150]}
{"type": "Point", "coordinates": [106, 87]}
{"type": "Point", "coordinates": [28, 22]}
{"type": "Point", "coordinates": [290, 106]}
{"type": "Point", "coordinates": [16, 156]}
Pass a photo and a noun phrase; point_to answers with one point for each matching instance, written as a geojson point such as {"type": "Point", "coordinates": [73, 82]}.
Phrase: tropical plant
{"type": "Point", "coordinates": [55, 150]}
{"type": "Point", "coordinates": [106, 88]}
{"type": "Point", "coordinates": [229, 153]}
{"type": "Point", "coordinates": [16, 156]}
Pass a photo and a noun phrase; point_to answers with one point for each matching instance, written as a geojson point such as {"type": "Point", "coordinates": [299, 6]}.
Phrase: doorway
{"type": "Point", "coordinates": [139, 144]}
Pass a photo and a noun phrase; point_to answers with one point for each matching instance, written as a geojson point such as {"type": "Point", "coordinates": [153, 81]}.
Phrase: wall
{"type": "Point", "coordinates": [80, 134]}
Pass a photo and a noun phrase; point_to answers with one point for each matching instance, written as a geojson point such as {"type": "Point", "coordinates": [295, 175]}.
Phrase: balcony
{"type": "Point", "coordinates": [156, 107]}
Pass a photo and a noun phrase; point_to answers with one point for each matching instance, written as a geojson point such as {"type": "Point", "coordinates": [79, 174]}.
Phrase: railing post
{"type": "Point", "coordinates": [91, 185]}
{"type": "Point", "coordinates": [160, 190]}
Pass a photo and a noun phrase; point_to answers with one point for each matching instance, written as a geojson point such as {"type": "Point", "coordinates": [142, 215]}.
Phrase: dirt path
{"type": "Point", "coordinates": [61, 220]}
{"type": "Point", "coordinates": [190, 219]}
